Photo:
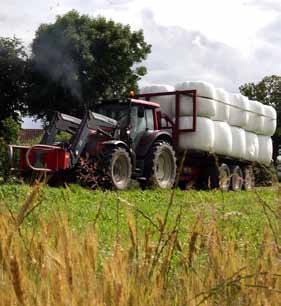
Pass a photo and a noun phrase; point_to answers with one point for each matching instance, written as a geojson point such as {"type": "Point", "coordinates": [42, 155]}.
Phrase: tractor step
{"type": "Point", "coordinates": [137, 172]}
{"type": "Point", "coordinates": [142, 178]}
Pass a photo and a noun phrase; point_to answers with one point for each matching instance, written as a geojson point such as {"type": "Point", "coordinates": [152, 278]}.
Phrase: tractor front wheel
{"type": "Point", "coordinates": [161, 166]}
{"type": "Point", "coordinates": [118, 168]}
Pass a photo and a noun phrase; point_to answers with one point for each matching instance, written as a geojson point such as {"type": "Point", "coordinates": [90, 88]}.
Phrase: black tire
{"type": "Point", "coordinates": [219, 177]}
{"type": "Point", "coordinates": [161, 166]}
{"type": "Point", "coordinates": [224, 177]}
{"type": "Point", "coordinates": [249, 178]}
{"type": "Point", "coordinates": [118, 167]}
{"type": "Point", "coordinates": [236, 182]}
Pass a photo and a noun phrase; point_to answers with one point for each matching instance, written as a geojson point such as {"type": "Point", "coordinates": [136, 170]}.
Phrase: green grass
{"type": "Point", "coordinates": [240, 216]}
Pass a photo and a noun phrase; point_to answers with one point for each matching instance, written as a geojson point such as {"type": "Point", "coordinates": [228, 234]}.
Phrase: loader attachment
{"type": "Point", "coordinates": [47, 156]}
{"type": "Point", "coordinates": [38, 158]}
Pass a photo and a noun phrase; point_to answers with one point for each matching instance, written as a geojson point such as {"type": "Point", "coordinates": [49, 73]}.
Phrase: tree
{"type": "Point", "coordinates": [9, 135]}
{"type": "Point", "coordinates": [78, 60]}
{"type": "Point", "coordinates": [13, 81]}
{"type": "Point", "coordinates": [267, 91]}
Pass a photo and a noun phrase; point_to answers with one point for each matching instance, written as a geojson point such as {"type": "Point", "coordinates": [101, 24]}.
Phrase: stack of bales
{"type": "Point", "coordinates": [227, 124]}
{"type": "Point", "coordinates": [213, 114]}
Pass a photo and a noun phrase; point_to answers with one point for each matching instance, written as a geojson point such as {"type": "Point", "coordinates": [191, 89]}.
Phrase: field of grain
{"type": "Point", "coordinates": [71, 246]}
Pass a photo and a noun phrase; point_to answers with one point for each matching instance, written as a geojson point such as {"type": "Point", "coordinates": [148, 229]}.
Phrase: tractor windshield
{"type": "Point", "coordinates": [136, 118]}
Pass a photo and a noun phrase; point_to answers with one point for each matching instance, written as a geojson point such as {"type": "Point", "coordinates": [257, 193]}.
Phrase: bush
{"type": "Point", "coordinates": [9, 135]}
{"type": "Point", "coordinates": [265, 176]}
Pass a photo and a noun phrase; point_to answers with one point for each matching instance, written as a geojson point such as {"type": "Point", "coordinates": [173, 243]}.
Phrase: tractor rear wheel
{"type": "Point", "coordinates": [118, 167]}
{"type": "Point", "coordinates": [161, 165]}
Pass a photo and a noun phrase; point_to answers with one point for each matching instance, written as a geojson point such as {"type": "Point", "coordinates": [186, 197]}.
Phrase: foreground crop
{"type": "Point", "coordinates": [74, 247]}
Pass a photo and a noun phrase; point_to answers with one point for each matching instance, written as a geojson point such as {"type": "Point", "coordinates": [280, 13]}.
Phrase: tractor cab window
{"type": "Point", "coordinates": [149, 119]}
{"type": "Point", "coordinates": [138, 122]}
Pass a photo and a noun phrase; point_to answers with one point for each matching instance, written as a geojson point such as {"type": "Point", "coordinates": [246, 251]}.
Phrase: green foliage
{"type": "Point", "coordinates": [13, 79]}
{"type": "Point", "coordinates": [240, 215]}
{"type": "Point", "coordinates": [265, 176]}
{"type": "Point", "coordinates": [11, 130]}
{"type": "Point", "coordinates": [10, 135]}
{"type": "Point", "coordinates": [78, 60]}
{"type": "Point", "coordinates": [63, 137]}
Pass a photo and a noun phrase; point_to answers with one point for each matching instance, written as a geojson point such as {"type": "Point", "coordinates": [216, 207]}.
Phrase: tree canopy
{"type": "Point", "coordinates": [13, 79]}
{"type": "Point", "coordinates": [78, 59]}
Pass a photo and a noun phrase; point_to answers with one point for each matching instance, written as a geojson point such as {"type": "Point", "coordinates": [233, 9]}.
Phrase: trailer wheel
{"type": "Point", "coordinates": [161, 166]}
{"type": "Point", "coordinates": [219, 177]}
{"type": "Point", "coordinates": [118, 168]}
{"type": "Point", "coordinates": [249, 178]}
{"type": "Point", "coordinates": [224, 177]}
{"type": "Point", "coordinates": [236, 178]}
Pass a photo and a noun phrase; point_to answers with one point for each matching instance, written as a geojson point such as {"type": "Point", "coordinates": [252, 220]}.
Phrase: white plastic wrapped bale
{"type": "Point", "coordinates": [222, 105]}
{"type": "Point", "coordinates": [204, 89]}
{"type": "Point", "coordinates": [269, 120]}
{"type": "Point", "coordinates": [265, 149]}
{"type": "Point", "coordinates": [223, 138]}
{"type": "Point", "coordinates": [202, 139]}
{"type": "Point", "coordinates": [166, 102]}
{"type": "Point", "coordinates": [238, 143]}
{"type": "Point", "coordinates": [237, 113]}
{"type": "Point", "coordinates": [252, 147]}
{"type": "Point", "coordinates": [206, 93]}
{"type": "Point", "coordinates": [255, 112]}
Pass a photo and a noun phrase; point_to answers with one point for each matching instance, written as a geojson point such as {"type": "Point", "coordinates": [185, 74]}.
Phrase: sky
{"type": "Point", "coordinates": [224, 42]}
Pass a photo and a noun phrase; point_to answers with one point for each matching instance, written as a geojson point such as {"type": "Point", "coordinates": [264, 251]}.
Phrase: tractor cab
{"type": "Point", "coordinates": [135, 118]}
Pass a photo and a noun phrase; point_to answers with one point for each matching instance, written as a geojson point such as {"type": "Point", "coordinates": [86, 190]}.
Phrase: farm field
{"type": "Point", "coordinates": [72, 246]}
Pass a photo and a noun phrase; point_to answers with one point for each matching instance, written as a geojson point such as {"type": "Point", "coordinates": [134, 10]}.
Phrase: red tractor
{"type": "Point", "coordinates": [120, 141]}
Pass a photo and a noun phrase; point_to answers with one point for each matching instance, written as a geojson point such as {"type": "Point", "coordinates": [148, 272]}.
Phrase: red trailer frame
{"type": "Point", "coordinates": [175, 125]}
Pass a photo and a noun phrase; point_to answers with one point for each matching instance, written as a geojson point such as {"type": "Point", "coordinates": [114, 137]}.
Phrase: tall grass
{"type": "Point", "coordinates": [51, 263]}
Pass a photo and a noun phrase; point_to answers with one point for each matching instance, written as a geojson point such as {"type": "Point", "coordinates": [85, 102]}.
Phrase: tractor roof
{"type": "Point", "coordinates": [145, 103]}
{"type": "Point", "coordinates": [130, 100]}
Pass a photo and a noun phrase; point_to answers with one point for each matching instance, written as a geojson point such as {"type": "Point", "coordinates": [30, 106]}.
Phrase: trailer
{"type": "Point", "coordinates": [202, 169]}
{"type": "Point", "coordinates": [131, 138]}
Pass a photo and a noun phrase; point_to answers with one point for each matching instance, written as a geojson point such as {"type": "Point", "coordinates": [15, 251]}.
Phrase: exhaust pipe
{"type": "Point", "coordinates": [11, 157]}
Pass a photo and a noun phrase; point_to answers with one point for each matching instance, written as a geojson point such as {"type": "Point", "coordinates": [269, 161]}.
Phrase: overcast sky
{"type": "Point", "coordinates": [225, 42]}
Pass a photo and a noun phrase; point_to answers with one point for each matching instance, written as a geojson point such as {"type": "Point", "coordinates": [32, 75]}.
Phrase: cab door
{"type": "Point", "coordinates": [142, 123]}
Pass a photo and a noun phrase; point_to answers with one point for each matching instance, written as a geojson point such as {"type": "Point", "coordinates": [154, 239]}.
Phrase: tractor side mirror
{"type": "Point", "coordinates": [140, 112]}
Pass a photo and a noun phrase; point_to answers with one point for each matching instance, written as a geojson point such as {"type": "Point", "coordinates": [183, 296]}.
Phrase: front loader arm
{"type": "Point", "coordinates": [60, 122]}
{"type": "Point", "coordinates": [80, 138]}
